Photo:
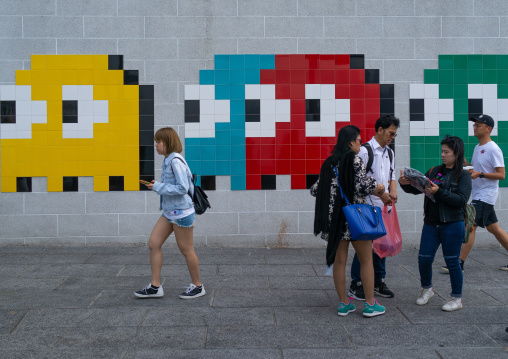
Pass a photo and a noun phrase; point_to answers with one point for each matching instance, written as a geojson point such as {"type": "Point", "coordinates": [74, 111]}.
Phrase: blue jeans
{"type": "Point", "coordinates": [379, 268]}
{"type": "Point", "coordinates": [450, 237]}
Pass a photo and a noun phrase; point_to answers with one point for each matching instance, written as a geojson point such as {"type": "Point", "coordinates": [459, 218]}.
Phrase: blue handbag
{"type": "Point", "coordinates": [364, 220]}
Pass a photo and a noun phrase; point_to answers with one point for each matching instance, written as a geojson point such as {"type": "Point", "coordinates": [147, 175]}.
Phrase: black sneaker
{"type": "Point", "coordinates": [446, 270]}
{"type": "Point", "coordinates": [356, 291]}
{"type": "Point", "coordinates": [193, 292]}
{"type": "Point", "coordinates": [504, 267]}
{"type": "Point", "coordinates": [382, 290]}
{"type": "Point", "coordinates": [149, 292]}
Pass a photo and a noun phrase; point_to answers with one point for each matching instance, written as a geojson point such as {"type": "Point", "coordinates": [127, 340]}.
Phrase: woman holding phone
{"type": "Point", "coordinates": [178, 215]}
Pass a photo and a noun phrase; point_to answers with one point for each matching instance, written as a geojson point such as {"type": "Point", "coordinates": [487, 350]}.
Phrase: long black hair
{"type": "Point", "coordinates": [342, 156]}
{"type": "Point", "coordinates": [457, 146]}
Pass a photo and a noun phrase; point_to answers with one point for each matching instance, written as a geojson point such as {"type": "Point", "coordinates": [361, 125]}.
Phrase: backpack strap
{"type": "Point", "coordinates": [370, 155]}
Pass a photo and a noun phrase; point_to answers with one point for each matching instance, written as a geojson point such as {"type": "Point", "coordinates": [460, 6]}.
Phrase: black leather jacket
{"type": "Point", "coordinates": [452, 195]}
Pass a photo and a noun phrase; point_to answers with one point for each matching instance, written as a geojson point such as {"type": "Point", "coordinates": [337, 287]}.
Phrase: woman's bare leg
{"type": "Point", "coordinates": [339, 271]}
{"type": "Point", "coordinates": [185, 241]}
{"type": "Point", "coordinates": [364, 252]}
{"type": "Point", "coordinates": [161, 231]}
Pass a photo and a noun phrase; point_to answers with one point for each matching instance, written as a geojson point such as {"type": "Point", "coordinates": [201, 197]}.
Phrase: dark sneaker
{"type": "Point", "coordinates": [382, 290]}
{"type": "Point", "coordinates": [149, 292]}
{"type": "Point", "coordinates": [504, 267]}
{"type": "Point", "coordinates": [446, 270]}
{"type": "Point", "coordinates": [356, 291]}
{"type": "Point", "coordinates": [193, 292]}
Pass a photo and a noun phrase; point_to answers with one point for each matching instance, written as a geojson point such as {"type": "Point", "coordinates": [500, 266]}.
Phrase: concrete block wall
{"type": "Point", "coordinates": [169, 41]}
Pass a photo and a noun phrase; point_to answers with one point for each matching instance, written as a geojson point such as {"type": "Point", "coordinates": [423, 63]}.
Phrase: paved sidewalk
{"type": "Point", "coordinates": [77, 302]}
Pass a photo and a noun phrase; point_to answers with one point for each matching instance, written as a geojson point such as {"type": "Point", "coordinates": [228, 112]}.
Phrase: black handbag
{"type": "Point", "coordinates": [200, 199]}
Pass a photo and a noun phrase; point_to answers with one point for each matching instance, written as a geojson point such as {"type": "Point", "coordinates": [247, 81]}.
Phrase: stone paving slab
{"type": "Point", "coordinates": [78, 302]}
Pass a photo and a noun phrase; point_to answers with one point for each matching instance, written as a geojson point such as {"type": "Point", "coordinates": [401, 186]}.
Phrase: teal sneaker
{"type": "Point", "coordinates": [345, 309]}
{"type": "Point", "coordinates": [373, 310]}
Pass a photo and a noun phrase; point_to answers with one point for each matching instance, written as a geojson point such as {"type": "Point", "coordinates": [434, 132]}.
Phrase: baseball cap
{"type": "Point", "coordinates": [486, 119]}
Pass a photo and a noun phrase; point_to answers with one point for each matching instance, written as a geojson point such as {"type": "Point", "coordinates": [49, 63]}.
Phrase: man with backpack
{"type": "Point", "coordinates": [378, 158]}
{"type": "Point", "coordinates": [488, 169]}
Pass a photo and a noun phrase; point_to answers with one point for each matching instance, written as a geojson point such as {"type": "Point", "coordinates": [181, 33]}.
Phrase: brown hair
{"type": "Point", "coordinates": [169, 137]}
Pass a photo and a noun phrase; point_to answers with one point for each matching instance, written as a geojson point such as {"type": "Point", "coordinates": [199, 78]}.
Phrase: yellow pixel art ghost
{"type": "Point", "coordinates": [73, 116]}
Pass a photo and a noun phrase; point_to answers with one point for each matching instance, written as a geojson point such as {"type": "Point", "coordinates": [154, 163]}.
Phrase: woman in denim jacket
{"type": "Point", "coordinates": [443, 223]}
{"type": "Point", "coordinates": [178, 215]}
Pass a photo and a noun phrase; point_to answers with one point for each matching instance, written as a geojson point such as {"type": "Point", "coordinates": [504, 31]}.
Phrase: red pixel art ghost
{"type": "Point", "coordinates": [325, 93]}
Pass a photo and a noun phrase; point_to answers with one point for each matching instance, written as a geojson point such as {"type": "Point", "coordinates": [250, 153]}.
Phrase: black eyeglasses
{"type": "Point", "coordinates": [391, 133]}
{"type": "Point", "coordinates": [359, 140]}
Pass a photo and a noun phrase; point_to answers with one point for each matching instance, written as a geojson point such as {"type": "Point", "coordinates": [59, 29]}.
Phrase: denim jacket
{"type": "Point", "coordinates": [176, 181]}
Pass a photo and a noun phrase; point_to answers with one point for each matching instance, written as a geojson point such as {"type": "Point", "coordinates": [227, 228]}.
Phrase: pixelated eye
{"type": "Point", "coordinates": [262, 110]}
{"type": "Point", "coordinates": [80, 111]}
{"type": "Point", "coordinates": [203, 111]}
{"type": "Point", "coordinates": [322, 110]}
{"type": "Point", "coordinates": [426, 109]}
{"type": "Point", "coordinates": [483, 98]}
{"type": "Point", "coordinates": [18, 112]}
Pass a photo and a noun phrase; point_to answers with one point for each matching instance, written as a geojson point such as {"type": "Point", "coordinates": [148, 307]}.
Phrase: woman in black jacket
{"type": "Point", "coordinates": [443, 225]}
{"type": "Point", "coordinates": [329, 219]}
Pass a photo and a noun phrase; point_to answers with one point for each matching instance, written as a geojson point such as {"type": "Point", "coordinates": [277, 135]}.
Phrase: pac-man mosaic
{"type": "Point", "coordinates": [254, 117]}
{"type": "Point", "coordinates": [462, 86]}
{"type": "Point", "coordinates": [73, 116]}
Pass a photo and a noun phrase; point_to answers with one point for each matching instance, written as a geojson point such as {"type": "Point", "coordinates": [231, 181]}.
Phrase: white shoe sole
{"type": "Point", "coordinates": [504, 268]}
{"type": "Point", "coordinates": [149, 295]}
{"type": "Point", "coordinates": [451, 309]}
{"type": "Point", "coordinates": [375, 314]}
{"type": "Point", "coordinates": [203, 292]}
{"type": "Point", "coordinates": [345, 314]}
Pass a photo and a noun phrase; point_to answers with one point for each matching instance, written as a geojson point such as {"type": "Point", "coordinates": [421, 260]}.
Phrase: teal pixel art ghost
{"type": "Point", "coordinates": [462, 86]}
{"type": "Point", "coordinates": [254, 117]}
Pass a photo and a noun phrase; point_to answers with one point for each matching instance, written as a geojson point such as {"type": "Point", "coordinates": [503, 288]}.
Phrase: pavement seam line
{"type": "Point", "coordinates": [19, 321]}
{"type": "Point", "coordinates": [437, 353]}
{"type": "Point", "coordinates": [212, 298]}
{"type": "Point", "coordinates": [93, 301]}
{"type": "Point", "coordinates": [481, 290]}
{"type": "Point", "coordinates": [401, 312]}
{"type": "Point", "coordinates": [274, 317]}
{"type": "Point", "coordinates": [144, 317]}
{"type": "Point", "coordinates": [91, 255]}
{"type": "Point", "coordinates": [60, 283]}
{"type": "Point", "coordinates": [349, 336]}
{"type": "Point", "coordinates": [206, 336]}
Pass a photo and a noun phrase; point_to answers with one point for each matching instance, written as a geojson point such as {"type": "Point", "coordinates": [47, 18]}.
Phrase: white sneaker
{"type": "Point", "coordinates": [424, 296]}
{"type": "Point", "coordinates": [453, 304]}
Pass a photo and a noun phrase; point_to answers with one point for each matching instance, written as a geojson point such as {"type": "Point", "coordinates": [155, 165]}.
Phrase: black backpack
{"type": "Point", "coordinates": [370, 153]}
{"type": "Point", "coordinates": [200, 199]}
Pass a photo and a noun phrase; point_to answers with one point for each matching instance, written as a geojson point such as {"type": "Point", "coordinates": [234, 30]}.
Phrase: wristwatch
{"type": "Point", "coordinates": [482, 175]}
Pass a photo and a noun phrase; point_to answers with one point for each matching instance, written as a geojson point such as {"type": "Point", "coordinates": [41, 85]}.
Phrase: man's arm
{"type": "Point", "coordinates": [498, 175]}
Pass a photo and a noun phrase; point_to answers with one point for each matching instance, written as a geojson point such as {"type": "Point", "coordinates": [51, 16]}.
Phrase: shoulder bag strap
{"type": "Point", "coordinates": [341, 193]}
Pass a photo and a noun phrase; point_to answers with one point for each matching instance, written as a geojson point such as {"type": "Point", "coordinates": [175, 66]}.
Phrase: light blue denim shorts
{"type": "Point", "coordinates": [185, 222]}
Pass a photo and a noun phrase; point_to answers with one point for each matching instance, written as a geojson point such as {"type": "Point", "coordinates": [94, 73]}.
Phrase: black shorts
{"type": "Point", "coordinates": [485, 214]}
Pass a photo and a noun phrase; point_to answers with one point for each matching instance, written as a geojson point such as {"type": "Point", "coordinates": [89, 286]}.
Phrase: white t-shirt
{"type": "Point", "coordinates": [485, 159]}
{"type": "Point", "coordinates": [380, 167]}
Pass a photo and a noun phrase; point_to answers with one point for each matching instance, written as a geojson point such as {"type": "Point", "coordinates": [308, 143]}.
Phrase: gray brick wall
{"type": "Point", "coordinates": [169, 41]}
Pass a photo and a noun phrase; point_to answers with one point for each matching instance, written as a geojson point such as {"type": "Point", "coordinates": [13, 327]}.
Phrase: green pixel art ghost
{"type": "Point", "coordinates": [462, 86]}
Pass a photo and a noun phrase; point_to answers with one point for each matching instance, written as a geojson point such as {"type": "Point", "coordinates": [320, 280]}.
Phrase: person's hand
{"type": "Point", "coordinates": [393, 197]}
{"type": "Point", "coordinates": [432, 189]}
{"type": "Point", "coordinates": [385, 197]}
{"type": "Point", "coordinates": [475, 174]}
{"type": "Point", "coordinates": [150, 186]}
{"type": "Point", "coordinates": [403, 180]}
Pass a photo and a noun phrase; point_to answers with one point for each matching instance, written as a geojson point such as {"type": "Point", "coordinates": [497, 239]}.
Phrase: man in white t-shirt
{"type": "Point", "coordinates": [380, 164]}
{"type": "Point", "coordinates": [488, 169]}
